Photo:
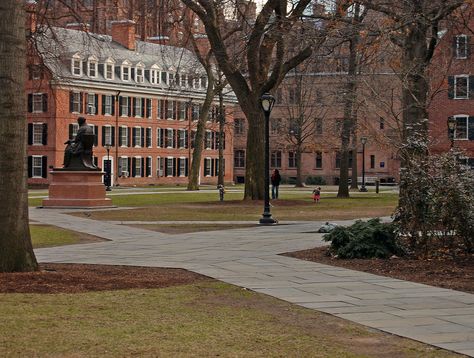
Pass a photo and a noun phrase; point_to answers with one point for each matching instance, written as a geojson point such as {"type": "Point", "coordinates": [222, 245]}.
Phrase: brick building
{"type": "Point", "coordinates": [453, 91]}
{"type": "Point", "coordinates": [320, 103]}
{"type": "Point", "coordinates": [143, 99]}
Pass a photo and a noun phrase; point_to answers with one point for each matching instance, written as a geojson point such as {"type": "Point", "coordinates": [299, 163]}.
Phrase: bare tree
{"type": "Point", "coordinates": [267, 62]}
{"type": "Point", "coordinates": [16, 252]}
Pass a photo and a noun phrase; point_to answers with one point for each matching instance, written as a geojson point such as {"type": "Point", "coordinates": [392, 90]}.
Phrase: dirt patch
{"type": "Point", "coordinates": [456, 274]}
{"type": "Point", "coordinates": [75, 278]}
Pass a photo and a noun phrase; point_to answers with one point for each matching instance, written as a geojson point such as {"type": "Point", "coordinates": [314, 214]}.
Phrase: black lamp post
{"type": "Point", "coordinates": [267, 101]}
{"type": "Point", "coordinates": [108, 173]}
{"type": "Point", "coordinates": [363, 140]}
{"type": "Point", "coordinates": [452, 129]}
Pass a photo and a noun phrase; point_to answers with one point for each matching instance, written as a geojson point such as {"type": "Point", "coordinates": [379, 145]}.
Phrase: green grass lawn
{"type": "Point", "coordinates": [205, 206]}
{"type": "Point", "coordinates": [200, 320]}
{"type": "Point", "coordinates": [47, 236]}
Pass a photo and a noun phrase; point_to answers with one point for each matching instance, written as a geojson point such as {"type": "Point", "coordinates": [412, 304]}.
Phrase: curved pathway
{"type": "Point", "coordinates": [249, 257]}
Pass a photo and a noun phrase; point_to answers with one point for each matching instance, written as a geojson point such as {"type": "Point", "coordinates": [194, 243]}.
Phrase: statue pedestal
{"type": "Point", "coordinates": [76, 189]}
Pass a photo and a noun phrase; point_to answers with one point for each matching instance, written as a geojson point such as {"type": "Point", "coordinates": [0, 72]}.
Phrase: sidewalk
{"type": "Point", "coordinates": [248, 257]}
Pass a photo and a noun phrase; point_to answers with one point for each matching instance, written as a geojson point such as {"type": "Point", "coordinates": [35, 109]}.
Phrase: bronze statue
{"type": "Point", "coordinates": [78, 152]}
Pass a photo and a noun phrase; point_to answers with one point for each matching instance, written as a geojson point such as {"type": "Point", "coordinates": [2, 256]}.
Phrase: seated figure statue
{"type": "Point", "coordinates": [78, 152]}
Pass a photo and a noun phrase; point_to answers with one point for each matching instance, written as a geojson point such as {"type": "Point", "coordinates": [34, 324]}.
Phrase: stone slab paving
{"type": "Point", "coordinates": [248, 257]}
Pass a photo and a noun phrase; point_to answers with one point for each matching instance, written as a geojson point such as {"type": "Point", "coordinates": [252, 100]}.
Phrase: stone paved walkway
{"type": "Point", "coordinates": [248, 257]}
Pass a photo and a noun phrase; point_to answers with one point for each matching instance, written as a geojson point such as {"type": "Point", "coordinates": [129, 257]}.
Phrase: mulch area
{"type": "Point", "coordinates": [456, 274]}
{"type": "Point", "coordinates": [75, 278]}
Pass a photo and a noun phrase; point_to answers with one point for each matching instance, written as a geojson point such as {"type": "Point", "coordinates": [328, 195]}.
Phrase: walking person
{"type": "Point", "coordinates": [317, 194]}
{"type": "Point", "coordinates": [276, 179]}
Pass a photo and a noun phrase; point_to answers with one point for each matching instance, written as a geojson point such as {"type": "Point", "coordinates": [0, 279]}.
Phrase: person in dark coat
{"type": "Point", "coordinates": [276, 179]}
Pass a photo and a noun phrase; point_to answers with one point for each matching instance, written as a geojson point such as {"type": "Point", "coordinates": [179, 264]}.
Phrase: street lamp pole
{"type": "Point", "coordinates": [363, 140]}
{"type": "Point", "coordinates": [108, 168]}
{"type": "Point", "coordinates": [267, 101]}
{"type": "Point", "coordinates": [452, 129]}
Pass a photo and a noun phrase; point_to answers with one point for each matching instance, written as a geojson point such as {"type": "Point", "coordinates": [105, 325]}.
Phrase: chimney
{"type": "Point", "coordinates": [31, 18]}
{"type": "Point", "coordinates": [79, 26]}
{"type": "Point", "coordinates": [160, 40]}
{"type": "Point", "coordinates": [123, 32]}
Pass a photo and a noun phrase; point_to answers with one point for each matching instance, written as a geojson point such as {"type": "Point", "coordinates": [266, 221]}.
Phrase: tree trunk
{"type": "Point", "coordinates": [16, 252]}
{"type": "Point", "coordinates": [193, 180]}
{"type": "Point", "coordinates": [414, 98]}
{"type": "Point", "coordinates": [299, 180]}
{"type": "Point", "coordinates": [354, 160]}
{"type": "Point", "coordinates": [255, 152]}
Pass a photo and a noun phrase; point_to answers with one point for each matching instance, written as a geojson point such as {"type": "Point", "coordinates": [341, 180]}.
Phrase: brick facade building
{"type": "Point", "coordinates": [142, 99]}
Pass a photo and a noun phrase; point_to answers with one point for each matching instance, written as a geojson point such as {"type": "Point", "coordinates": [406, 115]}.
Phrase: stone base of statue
{"type": "Point", "coordinates": [76, 189]}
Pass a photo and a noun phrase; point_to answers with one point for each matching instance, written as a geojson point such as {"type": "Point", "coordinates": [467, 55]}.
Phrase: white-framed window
{"type": "Point", "coordinates": [169, 166]}
{"type": "Point", "coordinates": [182, 167]}
{"type": "Point", "coordinates": [91, 104]}
{"type": "Point", "coordinates": [159, 109]}
{"type": "Point", "coordinates": [462, 127]}
{"type": "Point", "coordinates": [125, 70]}
{"type": "Point", "coordinates": [75, 128]}
{"type": "Point", "coordinates": [140, 73]}
{"type": "Point", "coordinates": [37, 166]}
{"type": "Point", "coordinates": [207, 167]}
{"type": "Point", "coordinates": [108, 105]}
{"type": "Point", "coordinates": [208, 140]}
{"type": "Point", "coordinates": [182, 138]}
{"type": "Point", "coordinates": [170, 110]}
{"type": "Point", "coordinates": [124, 170]}
{"type": "Point", "coordinates": [184, 81]}
{"type": "Point", "coordinates": [275, 159]}
{"type": "Point", "coordinates": [169, 138]}
{"type": "Point", "coordinates": [182, 111]}
{"type": "Point", "coordinates": [76, 65]}
{"type": "Point", "coordinates": [461, 87]}
{"type": "Point", "coordinates": [138, 136]}
{"type": "Point", "coordinates": [92, 64]}
{"type": "Point", "coordinates": [155, 75]}
{"type": "Point", "coordinates": [159, 139]}
{"type": "Point", "coordinates": [462, 46]}
{"type": "Point", "coordinates": [171, 76]}
{"type": "Point", "coordinates": [239, 158]}
{"type": "Point", "coordinates": [196, 111]}
{"type": "Point", "coordinates": [76, 102]}
{"type": "Point", "coordinates": [124, 136]}
{"type": "Point", "coordinates": [159, 167]}
{"type": "Point", "coordinates": [138, 167]}
{"type": "Point", "coordinates": [196, 83]}
{"type": "Point", "coordinates": [107, 134]}
{"type": "Point", "coordinates": [109, 69]}
{"type": "Point", "coordinates": [37, 102]}
{"type": "Point", "coordinates": [37, 134]}
{"type": "Point", "coordinates": [124, 106]}
{"type": "Point", "coordinates": [138, 107]}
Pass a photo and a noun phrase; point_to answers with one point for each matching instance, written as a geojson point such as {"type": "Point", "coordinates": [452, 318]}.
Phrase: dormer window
{"type": "Point", "coordinates": [125, 70]}
{"type": "Point", "coordinates": [92, 64]}
{"type": "Point", "coordinates": [140, 73]}
{"type": "Point", "coordinates": [109, 69]}
{"type": "Point", "coordinates": [164, 77]}
{"type": "Point", "coordinates": [184, 81]}
{"type": "Point", "coordinates": [155, 74]}
{"type": "Point", "coordinates": [204, 82]}
{"type": "Point", "coordinates": [76, 65]}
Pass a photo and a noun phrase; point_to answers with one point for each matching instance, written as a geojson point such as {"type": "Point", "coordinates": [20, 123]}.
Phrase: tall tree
{"type": "Point", "coordinates": [16, 252]}
{"type": "Point", "coordinates": [414, 27]}
{"type": "Point", "coordinates": [267, 62]}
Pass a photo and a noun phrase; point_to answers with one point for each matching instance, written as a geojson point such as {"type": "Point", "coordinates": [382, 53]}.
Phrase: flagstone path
{"type": "Point", "coordinates": [249, 257]}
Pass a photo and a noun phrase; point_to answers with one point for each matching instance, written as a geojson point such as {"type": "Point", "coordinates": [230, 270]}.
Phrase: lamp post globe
{"type": "Point", "coordinates": [266, 102]}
